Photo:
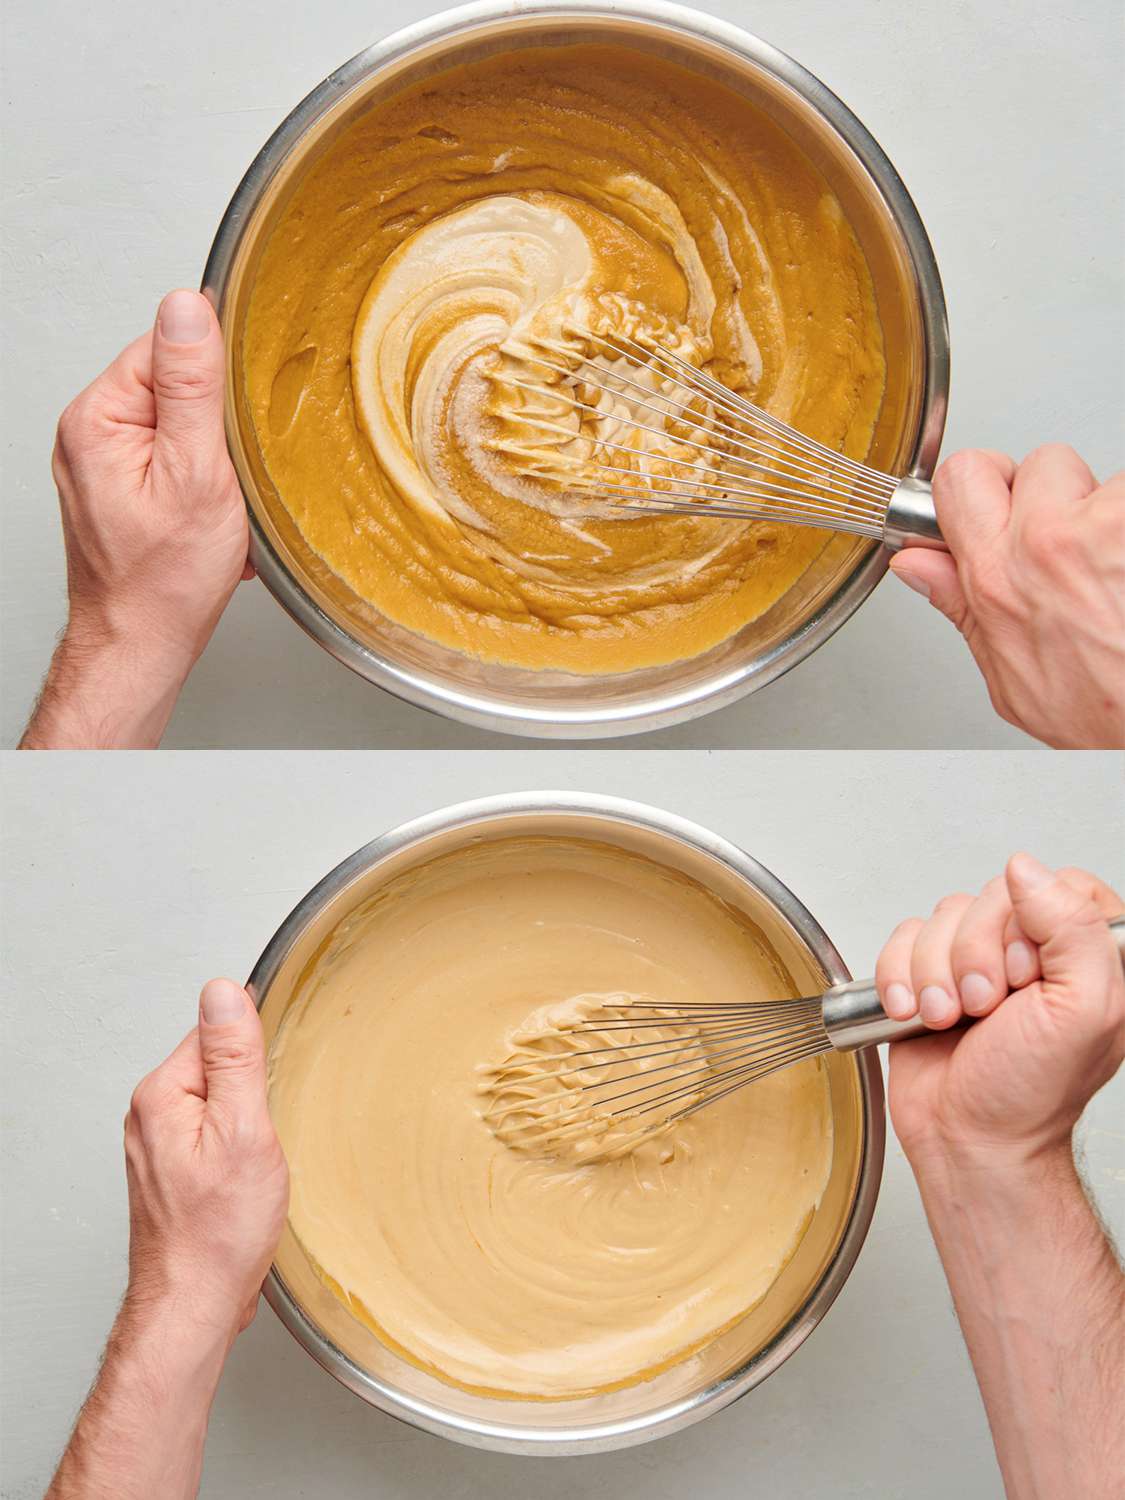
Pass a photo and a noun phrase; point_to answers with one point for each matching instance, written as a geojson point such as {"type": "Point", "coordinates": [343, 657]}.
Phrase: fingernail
{"type": "Point", "coordinates": [1028, 871]}
{"type": "Point", "coordinates": [898, 1002]}
{"type": "Point", "coordinates": [222, 1002]}
{"type": "Point", "coordinates": [1019, 962]}
{"type": "Point", "coordinates": [935, 1005]}
{"type": "Point", "coordinates": [912, 581]}
{"type": "Point", "coordinates": [184, 318]}
{"type": "Point", "coordinates": [976, 992]}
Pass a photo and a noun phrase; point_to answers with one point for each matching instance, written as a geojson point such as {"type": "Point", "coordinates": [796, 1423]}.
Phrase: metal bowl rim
{"type": "Point", "coordinates": [589, 1437]}
{"type": "Point", "coordinates": [667, 707]}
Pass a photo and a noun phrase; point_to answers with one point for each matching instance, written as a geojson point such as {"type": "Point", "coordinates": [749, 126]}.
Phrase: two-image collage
{"type": "Point", "coordinates": [600, 531]}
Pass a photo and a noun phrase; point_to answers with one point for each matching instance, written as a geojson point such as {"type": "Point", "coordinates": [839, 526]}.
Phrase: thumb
{"type": "Point", "coordinates": [188, 365]}
{"type": "Point", "coordinates": [934, 576]}
{"type": "Point", "coordinates": [233, 1053]}
{"type": "Point", "coordinates": [1062, 919]}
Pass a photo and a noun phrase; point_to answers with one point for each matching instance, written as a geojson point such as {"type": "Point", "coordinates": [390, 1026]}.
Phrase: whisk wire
{"type": "Point", "coordinates": [723, 1007]}
{"type": "Point", "coordinates": [681, 500]}
{"type": "Point", "coordinates": [682, 1053]}
{"type": "Point", "coordinates": [677, 501]}
{"type": "Point", "coordinates": [758, 468]}
{"type": "Point", "coordinates": [873, 488]}
{"type": "Point", "coordinates": [709, 1060]}
{"type": "Point", "coordinates": [729, 1046]}
{"type": "Point", "coordinates": [704, 1092]}
{"type": "Point", "coordinates": [743, 1077]}
{"type": "Point", "coordinates": [861, 507]}
{"type": "Point", "coordinates": [742, 408]}
{"type": "Point", "coordinates": [766, 494]}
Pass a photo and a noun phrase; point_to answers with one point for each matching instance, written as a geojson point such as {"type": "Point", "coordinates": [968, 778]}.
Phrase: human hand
{"type": "Point", "coordinates": [155, 531]}
{"type": "Point", "coordinates": [1035, 582]}
{"type": "Point", "coordinates": [1032, 960]}
{"type": "Point", "coordinates": [208, 1184]}
{"type": "Point", "coordinates": [208, 1191]}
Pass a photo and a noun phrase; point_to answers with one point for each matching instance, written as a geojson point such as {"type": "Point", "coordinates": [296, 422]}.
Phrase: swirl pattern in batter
{"type": "Point", "coordinates": [520, 196]}
{"type": "Point", "coordinates": [520, 1272]}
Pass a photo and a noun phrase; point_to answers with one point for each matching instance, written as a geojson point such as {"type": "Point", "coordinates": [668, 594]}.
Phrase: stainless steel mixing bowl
{"type": "Point", "coordinates": [739, 1358]}
{"type": "Point", "coordinates": [907, 438]}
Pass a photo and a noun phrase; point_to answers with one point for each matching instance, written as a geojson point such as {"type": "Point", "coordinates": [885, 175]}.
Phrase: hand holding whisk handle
{"type": "Point", "coordinates": [639, 1066]}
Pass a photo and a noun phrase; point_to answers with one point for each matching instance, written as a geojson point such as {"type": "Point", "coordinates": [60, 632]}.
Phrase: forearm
{"type": "Point", "coordinates": [142, 1429]}
{"type": "Point", "coordinates": [105, 695]}
{"type": "Point", "coordinates": [1041, 1302]}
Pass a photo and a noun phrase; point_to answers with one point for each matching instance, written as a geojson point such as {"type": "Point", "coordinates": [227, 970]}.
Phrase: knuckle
{"type": "Point", "coordinates": [73, 424]}
{"type": "Point", "coordinates": [887, 968]}
{"type": "Point", "coordinates": [59, 465]}
{"type": "Point", "coordinates": [142, 1101]}
{"type": "Point", "coordinates": [263, 1145]}
{"type": "Point", "coordinates": [895, 954]}
{"type": "Point", "coordinates": [931, 959]}
{"type": "Point", "coordinates": [1002, 704]}
{"type": "Point", "coordinates": [231, 1055]}
{"type": "Point", "coordinates": [967, 942]}
{"type": "Point", "coordinates": [956, 901]}
{"type": "Point", "coordinates": [974, 949]}
{"type": "Point", "coordinates": [900, 940]}
{"type": "Point", "coordinates": [1050, 452]}
{"type": "Point", "coordinates": [186, 382]}
{"type": "Point", "coordinates": [960, 469]}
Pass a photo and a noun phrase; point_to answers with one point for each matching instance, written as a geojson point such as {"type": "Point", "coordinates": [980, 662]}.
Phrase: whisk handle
{"type": "Point", "coordinates": [854, 1017]}
{"type": "Point", "coordinates": [853, 1014]}
{"type": "Point", "coordinates": [911, 519]}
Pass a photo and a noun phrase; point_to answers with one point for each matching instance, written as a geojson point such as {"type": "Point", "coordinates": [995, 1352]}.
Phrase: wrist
{"type": "Point", "coordinates": [202, 1311]}
{"type": "Point", "coordinates": [132, 639]}
{"type": "Point", "coordinates": [174, 1355]}
{"type": "Point", "coordinates": [981, 1170]}
{"type": "Point", "coordinates": [110, 686]}
{"type": "Point", "coordinates": [152, 627]}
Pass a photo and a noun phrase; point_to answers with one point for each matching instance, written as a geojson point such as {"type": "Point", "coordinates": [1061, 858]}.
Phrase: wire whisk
{"type": "Point", "coordinates": [636, 426]}
{"type": "Point", "coordinates": [627, 1070]}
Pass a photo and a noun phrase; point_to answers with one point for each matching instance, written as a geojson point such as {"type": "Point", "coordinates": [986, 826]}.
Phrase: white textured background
{"type": "Point", "coordinates": [129, 124]}
{"type": "Point", "coordinates": [129, 880]}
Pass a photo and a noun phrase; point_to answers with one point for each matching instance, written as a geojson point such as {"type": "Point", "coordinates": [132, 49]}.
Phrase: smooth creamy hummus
{"type": "Point", "coordinates": [520, 196]}
{"type": "Point", "coordinates": [506, 1269]}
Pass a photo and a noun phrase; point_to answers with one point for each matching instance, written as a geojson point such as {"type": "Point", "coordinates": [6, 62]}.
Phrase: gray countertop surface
{"type": "Point", "coordinates": [129, 880]}
{"type": "Point", "coordinates": [128, 129]}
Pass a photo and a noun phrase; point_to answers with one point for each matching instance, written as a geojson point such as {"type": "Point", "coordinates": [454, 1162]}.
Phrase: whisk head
{"type": "Point", "coordinates": [594, 1083]}
{"type": "Point", "coordinates": [617, 423]}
